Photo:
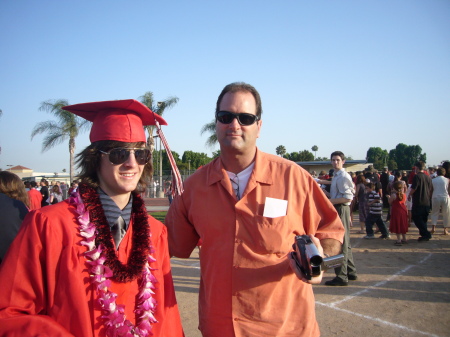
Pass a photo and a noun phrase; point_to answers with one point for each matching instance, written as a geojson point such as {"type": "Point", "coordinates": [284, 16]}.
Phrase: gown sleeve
{"type": "Point", "coordinates": [23, 280]}
{"type": "Point", "coordinates": [167, 313]}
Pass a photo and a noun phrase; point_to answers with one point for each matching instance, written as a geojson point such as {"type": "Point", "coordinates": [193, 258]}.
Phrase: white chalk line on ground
{"type": "Point", "coordinates": [334, 305]}
{"type": "Point", "coordinates": [378, 320]}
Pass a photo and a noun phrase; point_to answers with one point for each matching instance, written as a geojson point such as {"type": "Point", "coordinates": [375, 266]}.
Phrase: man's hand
{"type": "Point", "coordinates": [296, 269]}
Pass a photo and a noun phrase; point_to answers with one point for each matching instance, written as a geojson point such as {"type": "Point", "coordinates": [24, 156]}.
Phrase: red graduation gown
{"type": "Point", "coordinates": [45, 287]}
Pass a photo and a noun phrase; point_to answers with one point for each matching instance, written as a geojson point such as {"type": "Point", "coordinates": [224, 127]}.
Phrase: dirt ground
{"type": "Point", "coordinates": [400, 291]}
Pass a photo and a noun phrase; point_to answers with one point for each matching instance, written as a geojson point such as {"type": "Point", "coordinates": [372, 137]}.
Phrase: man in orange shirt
{"type": "Point", "coordinates": [95, 264]}
{"type": "Point", "coordinates": [35, 197]}
{"type": "Point", "coordinates": [247, 206]}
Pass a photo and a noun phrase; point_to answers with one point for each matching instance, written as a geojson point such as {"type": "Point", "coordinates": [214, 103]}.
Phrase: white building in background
{"type": "Point", "coordinates": [26, 173]}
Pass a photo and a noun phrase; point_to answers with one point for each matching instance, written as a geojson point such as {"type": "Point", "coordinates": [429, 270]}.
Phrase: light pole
{"type": "Point", "coordinates": [189, 171]}
{"type": "Point", "coordinates": [161, 190]}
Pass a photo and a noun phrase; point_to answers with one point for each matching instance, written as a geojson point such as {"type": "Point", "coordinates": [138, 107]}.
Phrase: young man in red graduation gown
{"type": "Point", "coordinates": [96, 264]}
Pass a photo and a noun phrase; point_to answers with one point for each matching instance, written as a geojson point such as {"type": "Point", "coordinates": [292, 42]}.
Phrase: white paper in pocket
{"type": "Point", "coordinates": [274, 208]}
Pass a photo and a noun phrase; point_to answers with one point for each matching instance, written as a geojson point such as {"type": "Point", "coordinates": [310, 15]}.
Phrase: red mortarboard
{"type": "Point", "coordinates": [120, 120]}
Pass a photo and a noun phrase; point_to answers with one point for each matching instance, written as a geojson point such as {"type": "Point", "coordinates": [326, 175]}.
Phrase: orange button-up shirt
{"type": "Point", "coordinates": [247, 287]}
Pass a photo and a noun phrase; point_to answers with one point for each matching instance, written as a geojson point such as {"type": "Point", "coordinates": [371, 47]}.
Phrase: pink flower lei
{"type": "Point", "coordinates": [114, 314]}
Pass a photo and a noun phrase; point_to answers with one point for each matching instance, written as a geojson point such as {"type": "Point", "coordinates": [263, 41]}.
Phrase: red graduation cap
{"type": "Point", "coordinates": [120, 120]}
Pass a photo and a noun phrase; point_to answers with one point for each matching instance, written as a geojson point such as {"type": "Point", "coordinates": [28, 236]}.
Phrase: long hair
{"type": "Point", "coordinates": [56, 189]}
{"type": "Point", "coordinates": [360, 179]}
{"type": "Point", "coordinates": [89, 161]}
{"type": "Point", "coordinates": [13, 187]}
{"type": "Point", "coordinates": [398, 188]}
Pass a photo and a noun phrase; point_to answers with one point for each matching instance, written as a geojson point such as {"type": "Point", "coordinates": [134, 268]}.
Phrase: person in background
{"type": "Point", "coordinates": [446, 166]}
{"type": "Point", "coordinates": [342, 192]}
{"type": "Point", "coordinates": [399, 215]}
{"type": "Point", "coordinates": [247, 206]}
{"type": "Point", "coordinates": [169, 192]}
{"type": "Point", "coordinates": [420, 194]}
{"type": "Point", "coordinates": [63, 188]}
{"type": "Point", "coordinates": [405, 177]}
{"type": "Point", "coordinates": [13, 208]}
{"type": "Point", "coordinates": [45, 192]}
{"type": "Point", "coordinates": [34, 196]}
{"type": "Point", "coordinates": [13, 187]}
{"type": "Point", "coordinates": [55, 195]}
{"type": "Point", "coordinates": [432, 172]}
{"type": "Point", "coordinates": [73, 187]}
{"type": "Point", "coordinates": [440, 200]}
{"type": "Point", "coordinates": [95, 264]}
{"type": "Point", "coordinates": [360, 195]}
{"type": "Point", "coordinates": [374, 216]}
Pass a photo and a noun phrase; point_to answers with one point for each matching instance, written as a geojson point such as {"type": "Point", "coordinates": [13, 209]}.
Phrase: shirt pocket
{"type": "Point", "coordinates": [271, 235]}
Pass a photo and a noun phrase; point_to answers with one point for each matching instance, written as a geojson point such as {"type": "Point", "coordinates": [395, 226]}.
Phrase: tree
{"type": "Point", "coordinates": [315, 148]}
{"type": "Point", "coordinates": [305, 155]}
{"type": "Point", "coordinates": [406, 155]}
{"type": "Point", "coordinates": [158, 108]}
{"type": "Point", "coordinates": [281, 150]}
{"type": "Point", "coordinates": [67, 126]}
{"type": "Point", "coordinates": [377, 156]}
{"type": "Point", "coordinates": [211, 129]}
{"type": "Point", "coordinates": [195, 159]}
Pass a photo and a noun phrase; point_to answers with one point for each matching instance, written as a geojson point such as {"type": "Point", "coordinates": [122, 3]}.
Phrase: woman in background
{"type": "Point", "coordinates": [13, 208]}
{"type": "Point", "coordinates": [55, 195]}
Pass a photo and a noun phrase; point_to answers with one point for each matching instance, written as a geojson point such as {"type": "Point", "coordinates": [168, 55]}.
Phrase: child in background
{"type": "Point", "coordinates": [399, 215]}
{"type": "Point", "coordinates": [373, 201]}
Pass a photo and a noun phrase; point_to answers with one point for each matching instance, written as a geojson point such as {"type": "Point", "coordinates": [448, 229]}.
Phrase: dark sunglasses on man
{"type": "Point", "coordinates": [119, 156]}
{"type": "Point", "coordinates": [245, 119]}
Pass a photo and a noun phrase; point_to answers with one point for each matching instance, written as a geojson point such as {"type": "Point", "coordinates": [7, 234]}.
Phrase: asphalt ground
{"type": "Point", "coordinates": [400, 291]}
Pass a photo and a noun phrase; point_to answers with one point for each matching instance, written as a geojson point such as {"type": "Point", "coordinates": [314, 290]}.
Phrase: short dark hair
{"type": "Point", "coordinates": [370, 186]}
{"type": "Point", "coordinates": [420, 165]}
{"type": "Point", "coordinates": [89, 161]}
{"type": "Point", "coordinates": [337, 153]}
{"type": "Point", "coordinates": [237, 87]}
{"type": "Point", "coordinates": [440, 171]}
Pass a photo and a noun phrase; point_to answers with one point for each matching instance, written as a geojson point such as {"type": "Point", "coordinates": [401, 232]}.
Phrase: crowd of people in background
{"type": "Point", "coordinates": [17, 198]}
{"type": "Point", "coordinates": [393, 194]}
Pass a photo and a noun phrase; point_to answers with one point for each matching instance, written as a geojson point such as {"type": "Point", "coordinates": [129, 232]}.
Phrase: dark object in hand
{"type": "Point", "coordinates": [310, 261]}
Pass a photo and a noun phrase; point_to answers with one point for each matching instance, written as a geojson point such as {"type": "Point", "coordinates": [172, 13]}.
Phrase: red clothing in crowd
{"type": "Point", "coordinates": [35, 198]}
{"type": "Point", "coordinates": [46, 289]}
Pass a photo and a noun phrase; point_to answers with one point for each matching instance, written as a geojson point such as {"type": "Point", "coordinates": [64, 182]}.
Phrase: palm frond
{"type": "Point", "coordinates": [53, 138]}
{"type": "Point", "coordinates": [209, 127]}
{"type": "Point", "coordinates": [212, 141]}
{"type": "Point", "coordinates": [43, 127]}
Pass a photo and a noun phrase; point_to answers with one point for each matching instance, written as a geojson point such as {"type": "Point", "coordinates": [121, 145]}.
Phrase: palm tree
{"type": "Point", "coordinates": [67, 126]}
{"type": "Point", "coordinates": [210, 128]}
{"type": "Point", "coordinates": [315, 148]}
{"type": "Point", "coordinates": [281, 150]}
{"type": "Point", "coordinates": [158, 108]}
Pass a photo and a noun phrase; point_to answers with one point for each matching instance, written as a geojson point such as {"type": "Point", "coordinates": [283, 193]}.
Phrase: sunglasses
{"type": "Point", "coordinates": [119, 155]}
{"type": "Point", "coordinates": [226, 117]}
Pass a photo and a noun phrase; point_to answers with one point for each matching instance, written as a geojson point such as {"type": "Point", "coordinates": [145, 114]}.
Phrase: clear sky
{"type": "Point", "coordinates": [342, 75]}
